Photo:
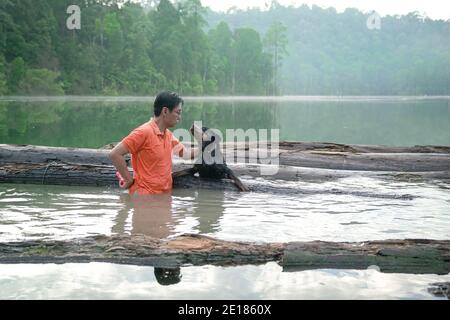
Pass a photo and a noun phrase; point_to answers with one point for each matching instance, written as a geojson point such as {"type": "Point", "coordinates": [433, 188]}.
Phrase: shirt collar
{"type": "Point", "coordinates": [155, 128]}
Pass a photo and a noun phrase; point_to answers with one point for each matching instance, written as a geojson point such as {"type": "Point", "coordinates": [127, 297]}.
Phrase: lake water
{"type": "Point", "coordinates": [359, 208]}
{"type": "Point", "coordinates": [93, 122]}
{"type": "Point", "coordinates": [367, 209]}
{"type": "Point", "coordinates": [111, 281]}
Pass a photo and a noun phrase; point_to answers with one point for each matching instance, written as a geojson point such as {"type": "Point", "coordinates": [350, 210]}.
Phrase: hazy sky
{"type": "Point", "coordinates": [435, 9]}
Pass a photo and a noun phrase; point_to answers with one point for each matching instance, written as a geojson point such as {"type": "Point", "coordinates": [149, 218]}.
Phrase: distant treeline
{"type": "Point", "coordinates": [334, 53]}
{"type": "Point", "coordinates": [124, 48]}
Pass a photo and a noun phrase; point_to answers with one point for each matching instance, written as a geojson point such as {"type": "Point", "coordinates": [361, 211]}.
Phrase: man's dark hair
{"type": "Point", "coordinates": [166, 99]}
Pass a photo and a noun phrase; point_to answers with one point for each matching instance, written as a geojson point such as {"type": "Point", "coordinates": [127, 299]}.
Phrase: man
{"type": "Point", "coordinates": [151, 146]}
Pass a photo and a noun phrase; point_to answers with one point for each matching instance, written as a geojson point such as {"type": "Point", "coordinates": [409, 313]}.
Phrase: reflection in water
{"type": "Point", "coordinates": [164, 215]}
{"type": "Point", "coordinates": [29, 212]}
{"type": "Point", "coordinates": [209, 210]}
{"type": "Point", "coordinates": [168, 275]}
{"type": "Point", "coordinates": [152, 215]}
{"type": "Point", "coordinates": [440, 290]}
{"type": "Point", "coordinates": [155, 216]}
{"type": "Point", "coordinates": [268, 281]}
{"type": "Point", "coordinates": [78, 123]}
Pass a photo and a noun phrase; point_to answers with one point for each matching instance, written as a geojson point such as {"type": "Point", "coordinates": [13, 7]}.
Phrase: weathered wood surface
{"type": "Point", "coordinates": [141, 250]}
{"type": "Point", "coordinates": [403, 256]}
{"type": "Point", "coordinates": [55, 173]}
{"type": "Point", "coordinates": [104, 176]}
{"type": "Point", "coordinates": [318, 155]}
{"type": "Point", "coordinates": [69, 166]}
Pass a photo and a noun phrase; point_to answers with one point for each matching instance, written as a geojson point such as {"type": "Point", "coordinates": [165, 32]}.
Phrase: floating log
{"type": "Point", "coordinates": [88, 167]}
{"type": "Point", "coordinates": [55, 173]}
{"type": "Point", "coordinates": [400, 256]}
{"type": "Point", "coordinates": [104, 176]}
{"type": "Point", "coordinates": [44, 164]}
{"type": "Point", "coordinates": [319, 155]}
{"type": "Point", "coordinates": [390, 256]}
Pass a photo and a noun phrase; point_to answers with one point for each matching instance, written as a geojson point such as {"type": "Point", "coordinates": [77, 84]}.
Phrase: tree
{"type": "Point", "coordinates": [276, 42]}
{"type": "Point", "coordinates": [17, 71]}
{"type": "Point", "coordinates": [41, 82]}
{"type": "Point", "coordinates": [249, 62]}
{"type": "Point", "coordinates": [221, 40]}
{"type": "Point", "coordinates": [3, 83]}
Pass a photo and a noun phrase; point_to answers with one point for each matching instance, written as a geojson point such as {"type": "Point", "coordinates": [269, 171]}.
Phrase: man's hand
{"type": "Point", "coordinates": [122, 183]}
{"type": "Point", "coordinates": [127, 184]}
{"type": "Point", "coordinates": [116, 156]}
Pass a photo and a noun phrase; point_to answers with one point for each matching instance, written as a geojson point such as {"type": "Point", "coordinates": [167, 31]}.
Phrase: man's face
{"type": "Point", "coordinates": [172, 118]}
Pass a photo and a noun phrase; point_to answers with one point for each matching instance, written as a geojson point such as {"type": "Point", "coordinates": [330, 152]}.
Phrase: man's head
{"type": "Point", "coordinates": [168, 106]}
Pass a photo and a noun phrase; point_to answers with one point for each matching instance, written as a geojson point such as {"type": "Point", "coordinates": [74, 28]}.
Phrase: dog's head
{"type": "Point", "coordinates": [210, 144]}
{"type": "Point", "coordinates": [205, 136]}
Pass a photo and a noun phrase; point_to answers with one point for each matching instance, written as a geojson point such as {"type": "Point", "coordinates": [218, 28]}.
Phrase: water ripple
{"type": "Point", "coordinates": [350, 209]}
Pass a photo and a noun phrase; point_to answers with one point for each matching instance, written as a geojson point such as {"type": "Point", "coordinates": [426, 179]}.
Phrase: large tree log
{"type": "Point", "coordinates": [403, 256]}
{"type": "Point", "coordinates": [319, 155]}
{"type": "Point", "coordinates": [104, 176]}
{"type": "Point", "coordinates": [431, 165]}
{"type": "Point", "coordinates": [55, 173]}
{"type": "Point", "coordinates": [41, 165]}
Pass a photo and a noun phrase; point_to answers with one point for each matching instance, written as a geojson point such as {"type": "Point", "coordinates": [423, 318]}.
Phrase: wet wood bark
{"type": "Point", "coordinates": [297, 154]}
{"type": "Point", "coordinates": [402, 256]}
{"type": "Point", "coordinates": [390, 256]}
{"type": "Point", "coordinates": [72, 166]}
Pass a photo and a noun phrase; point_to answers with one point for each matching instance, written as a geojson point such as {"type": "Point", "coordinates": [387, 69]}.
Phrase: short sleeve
{"type": "Point", "coordinates": [135, 140]}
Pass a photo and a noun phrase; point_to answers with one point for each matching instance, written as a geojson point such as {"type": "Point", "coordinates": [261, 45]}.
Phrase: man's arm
{"type": "Point", "coordinates": [186, 153]}
{"type": "Point", "coordinates": [191, 153]}
{"type": "Point", "coordinates": [117, 158]}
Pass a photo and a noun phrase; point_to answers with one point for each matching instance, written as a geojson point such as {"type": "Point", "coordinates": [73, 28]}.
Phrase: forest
{"type": "Point", "coordinates": [127, 48]}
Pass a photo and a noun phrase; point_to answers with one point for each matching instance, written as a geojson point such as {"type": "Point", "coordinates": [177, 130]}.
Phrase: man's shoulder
{"type": "Point", "coordinates": [145, 128]}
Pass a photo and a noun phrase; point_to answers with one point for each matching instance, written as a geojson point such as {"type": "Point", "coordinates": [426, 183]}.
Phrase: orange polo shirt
{"type": "Point", "coordinates": [151, 158]}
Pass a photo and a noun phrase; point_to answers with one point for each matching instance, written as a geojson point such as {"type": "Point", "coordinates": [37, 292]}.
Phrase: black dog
{"type": "Point", "coordinates": [213, 164]}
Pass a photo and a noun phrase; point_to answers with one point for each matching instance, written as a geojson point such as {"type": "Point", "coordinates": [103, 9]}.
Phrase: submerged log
{"type": "Point", "coordinates": [402, 256]}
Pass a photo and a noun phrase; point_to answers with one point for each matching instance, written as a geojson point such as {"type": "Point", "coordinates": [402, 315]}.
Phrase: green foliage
{"type": "Point", "coordinates": [334, 53]}
{"type": "Point", "coordinates": [41, 82]}
{"type": "Point", "coordinates": [123, 49]}
{"type": "Point", "coordinates": [3, 83]}
{"type": "Point", "coordinates": [120, 49]}
{"type": "Point", "coordinates": [276, 41]}
{"type": "Point", "coordinates": [17, 71]}
{"type": "Point", "coordinates": [249, 62]}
